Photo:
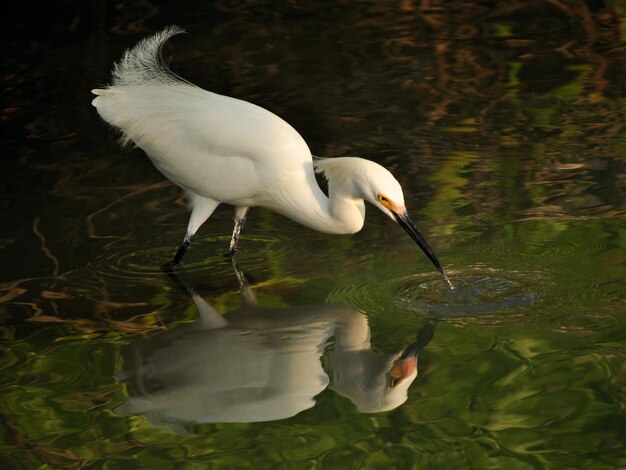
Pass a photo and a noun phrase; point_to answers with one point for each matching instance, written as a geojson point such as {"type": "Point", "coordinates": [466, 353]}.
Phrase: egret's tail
{"type": "Point", "coordinates": [128, 101]}
{"type": "Point", "coordinates": [143, 64]}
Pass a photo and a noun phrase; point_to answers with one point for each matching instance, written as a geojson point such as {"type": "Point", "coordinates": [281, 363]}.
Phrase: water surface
{"type": "Point", "coordinates": [504, 123]}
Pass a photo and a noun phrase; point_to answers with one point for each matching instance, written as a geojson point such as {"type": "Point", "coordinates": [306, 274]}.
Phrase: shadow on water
{"type": "Point", "coordinates": [262, 364]}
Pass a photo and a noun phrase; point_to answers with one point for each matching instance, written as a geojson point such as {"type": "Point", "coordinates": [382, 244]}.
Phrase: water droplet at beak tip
{"type": "Point", "coordinates": [448, 279]}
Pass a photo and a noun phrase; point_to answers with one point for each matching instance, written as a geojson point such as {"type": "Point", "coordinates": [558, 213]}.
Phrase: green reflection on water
{"type": "Point", "coordinates": [504, 123]}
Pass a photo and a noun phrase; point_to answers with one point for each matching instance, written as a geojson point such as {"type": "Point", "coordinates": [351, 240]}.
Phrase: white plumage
{"type": "Point", "coordinates": [220, 149]}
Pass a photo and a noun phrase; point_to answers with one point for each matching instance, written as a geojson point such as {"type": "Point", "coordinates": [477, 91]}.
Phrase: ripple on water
{"type": "Point", "coordinates": [127, 280]}
{"type": "Point", "coordinates": [144, 264]}
{"type": "Point", "coordinates": [138, 265]}
{"type": "Point", "coordinates": [481, 294]}
{"type": "Point", "coordinates": [474, 294]}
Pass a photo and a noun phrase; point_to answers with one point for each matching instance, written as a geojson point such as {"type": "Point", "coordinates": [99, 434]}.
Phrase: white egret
{"type": "Point", "coordinates": [220, 149]}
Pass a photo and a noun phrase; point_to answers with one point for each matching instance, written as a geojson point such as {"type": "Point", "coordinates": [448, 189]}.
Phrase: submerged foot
{"type": "Point", "coordinates": [232, 252]}
{"type": "Point", "coordinates": [176, 272]}
{"type": "Point", "coordinates": [168, 267]}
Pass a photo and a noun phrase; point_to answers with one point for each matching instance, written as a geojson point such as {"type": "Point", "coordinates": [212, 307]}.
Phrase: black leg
{"type": "Point", "coordinates": [182, 249]}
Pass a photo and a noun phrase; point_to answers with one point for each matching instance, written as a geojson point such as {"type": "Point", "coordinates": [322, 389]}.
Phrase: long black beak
{"type": "Point", "coordinates": [407, 224]}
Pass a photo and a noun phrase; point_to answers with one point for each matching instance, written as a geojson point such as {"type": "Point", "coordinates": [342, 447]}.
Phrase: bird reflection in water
{"type": "Point", "coordinates": [263, 364]}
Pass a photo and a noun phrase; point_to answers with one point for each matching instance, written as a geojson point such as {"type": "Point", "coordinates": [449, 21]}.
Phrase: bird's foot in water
{"type": "Point", "coordinates": [232, 252]}
{"type": "Point", "coordinates": [169, 266]}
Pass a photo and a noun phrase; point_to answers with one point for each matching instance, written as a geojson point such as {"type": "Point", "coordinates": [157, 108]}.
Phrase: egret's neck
{"type": "Point", "coordinates": [343, 212]}
{"type": "Point", "coordinates": [347, 210]}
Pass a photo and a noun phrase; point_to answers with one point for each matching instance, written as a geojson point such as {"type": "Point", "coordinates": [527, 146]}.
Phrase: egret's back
{"type": "Point", "coordinates": [194, 137]}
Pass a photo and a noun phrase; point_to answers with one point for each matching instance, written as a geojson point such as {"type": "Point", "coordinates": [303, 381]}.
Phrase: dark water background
{"type": "Point", "coordinates": [504, 122]}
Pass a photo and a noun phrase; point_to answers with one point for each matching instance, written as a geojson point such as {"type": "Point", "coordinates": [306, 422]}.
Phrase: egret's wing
{"type": "Point", "coordinates": [200, 139]}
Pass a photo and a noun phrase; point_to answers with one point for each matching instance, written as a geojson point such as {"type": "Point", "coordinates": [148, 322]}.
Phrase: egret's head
{"type": "Point", "coordinates": [376, 185]}
{"type": "Point", "coordinates": [385, 193]}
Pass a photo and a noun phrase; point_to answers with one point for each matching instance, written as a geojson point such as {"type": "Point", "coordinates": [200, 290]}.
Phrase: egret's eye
{"type": "Point", "coordinates": [382, 198]}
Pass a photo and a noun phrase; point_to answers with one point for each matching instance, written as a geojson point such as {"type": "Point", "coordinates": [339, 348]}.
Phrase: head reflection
{"type": "Point", "coordinates": [263, 364]}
